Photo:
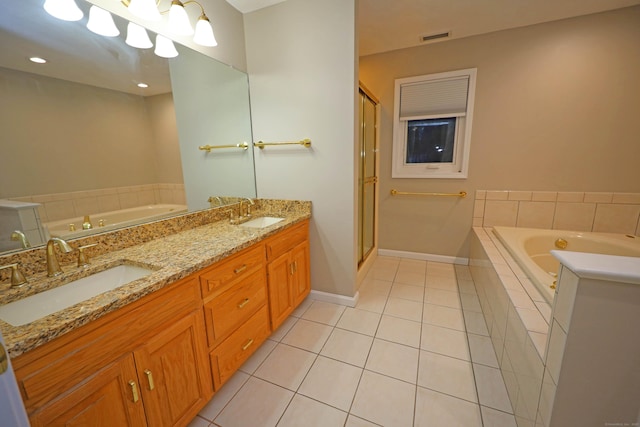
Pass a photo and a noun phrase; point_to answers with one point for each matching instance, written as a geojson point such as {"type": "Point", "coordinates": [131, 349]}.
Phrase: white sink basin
{"type": "Point", "coordinates": [261, 222]}
{"type": "Point", "coordinates": [37, 306]}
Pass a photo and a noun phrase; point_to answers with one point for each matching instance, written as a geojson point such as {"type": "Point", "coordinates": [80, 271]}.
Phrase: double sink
{"type": "Point", "coordinates": [40, 305]}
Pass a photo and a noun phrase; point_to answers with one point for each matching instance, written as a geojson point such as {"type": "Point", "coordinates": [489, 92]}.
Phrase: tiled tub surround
{"type": "Point", "coordinates": [517, 315]}
{"type": "Point", "coordinates": [175, 247]}
{"type": "Point", "coordinates": [599, 212]}
{"type": "Point", "coordinates": [532, 247]}
{"type": "Point", "coordinates": [58, 206]}
{"type": "Point", "coordinates": [591, 372]}
{"type": "Point", "coordinates": [517, 318]}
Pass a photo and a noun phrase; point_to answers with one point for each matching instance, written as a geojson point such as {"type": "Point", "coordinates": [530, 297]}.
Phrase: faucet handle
{"type": "Point", "coordinates": [17, 278]}
{"type": "Point", "coordinates": [86, 223]}
{"type": "Point", "coordinates": [83, 259]}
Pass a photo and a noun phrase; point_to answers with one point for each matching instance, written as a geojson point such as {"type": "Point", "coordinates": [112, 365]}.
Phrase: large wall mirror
{"type": "Point", "coordinates": [82, 142]}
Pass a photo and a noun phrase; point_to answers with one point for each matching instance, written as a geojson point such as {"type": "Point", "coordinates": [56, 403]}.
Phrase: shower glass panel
{"type": "Point", "coordinates": [368, 179]}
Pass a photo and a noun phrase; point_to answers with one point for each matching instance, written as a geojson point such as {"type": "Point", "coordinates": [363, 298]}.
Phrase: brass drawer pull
{"type": "Point", "coordinates": [4, 360]}
{"type": "Point", "coordinates": [150, 379]}
{"type": "Point", "coordinates": [247, 345]}
{"type": "Point", "coordinates": [243, 303]}
{"type": "Point", "coordinates": [240, 269]}
{"type": "Point", "coordinates": [134, 391]}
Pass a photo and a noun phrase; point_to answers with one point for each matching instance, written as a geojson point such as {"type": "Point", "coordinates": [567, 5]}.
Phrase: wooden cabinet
{"type": "Point", "coordinates": [235, 307]}
{"type": "Point", "coordinates": [164, 373]}
{"type": "Point", "coordinates": [158, 360]}
{"type": "Point", "coordinates": [301, 275]}
{"type": "Point", "coordinates": [233, 291]}
{"type": "Point", "coordinates": [227, 357]}
{"type": "Point", "coordinates": [171, 375]}
{"type": "Point", "coordinates": [108, 398]}
{"type": "Point", "coordinates": [144, 364]}
{"type": "Point", "coordinates": [288, 271]}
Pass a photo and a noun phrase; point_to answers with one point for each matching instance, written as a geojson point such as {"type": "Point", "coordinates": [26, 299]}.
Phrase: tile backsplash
{"type": "Point", "coordinates": [579, 211]}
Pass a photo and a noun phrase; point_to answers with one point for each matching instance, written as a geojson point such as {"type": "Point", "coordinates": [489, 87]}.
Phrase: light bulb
{"type": "Point", "coordinates": [101, 22]}
{"type": "Point", "coordinates": [165, 47]}
{"type": "Point", "coordinates": [137, 37]}
{"type": "Point", "coordinates": [67, 10]}
{"type": "Point", "coordinates": [204, 32]}
{"type": "Point", "coordinates": [179, 20]}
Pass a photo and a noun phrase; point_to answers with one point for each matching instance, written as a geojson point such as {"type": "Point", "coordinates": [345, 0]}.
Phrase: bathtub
{"type": "Point", "coordinates": [112, 220]}
{"type": "Point", "coordinates": [531, 248]}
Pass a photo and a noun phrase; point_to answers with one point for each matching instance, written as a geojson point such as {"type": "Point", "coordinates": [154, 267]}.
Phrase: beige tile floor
{"type": "Point", "coordinates": [413, 352]}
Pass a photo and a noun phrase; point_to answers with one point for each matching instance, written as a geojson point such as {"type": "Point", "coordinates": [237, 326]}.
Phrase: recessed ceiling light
{"type": "Point", "coordinates": [143, 85]}
{"type": "Point", "coordinates": [38, 60]}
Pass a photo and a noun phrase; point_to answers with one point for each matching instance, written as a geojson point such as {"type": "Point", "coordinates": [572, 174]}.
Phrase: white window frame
{"type": "Point", "coordinates": [462, 143]}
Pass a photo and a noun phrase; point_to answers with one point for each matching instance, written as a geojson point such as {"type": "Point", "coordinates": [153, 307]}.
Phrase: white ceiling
{"type": "Point", "coordinates": [385, 25]}
{"type": "Point", "coordinates": [75, 53]}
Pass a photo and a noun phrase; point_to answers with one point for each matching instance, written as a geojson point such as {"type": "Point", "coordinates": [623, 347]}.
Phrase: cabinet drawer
{"type": "Point", "coordinates": [235, 350]}
{"type": "Point", "coordinates": [240, 265]}
{"type": "Point", "coordinates": [228, 310]}
{"type": "Point", "coordinates": [287, 240]}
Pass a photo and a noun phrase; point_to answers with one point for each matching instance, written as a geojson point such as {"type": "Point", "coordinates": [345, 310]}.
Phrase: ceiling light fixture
{"type": "Point", "coordinates": [142, 85]}
{"type": "Point", "coordinates": [165, 47]}
{"type": "Point", "coordinates": [204, 32]}
{"type": "Point", "coordinates": [101, 22]}
{"type": "Point", "coordinates": [179, 23]}
{"type": "Point", "coordinates": [67, 10]}
{"type": "Point", "coordinates": [38, 60]}
{"type": "Point", "coordinates": [137, 37]}
{"type": "Point", "coordinates": [179, 20]}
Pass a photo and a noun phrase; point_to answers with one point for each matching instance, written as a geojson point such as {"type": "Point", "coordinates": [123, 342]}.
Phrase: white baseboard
{"type": "Point", "coordinates": [335, 298]}
{"type": "Point", "coordinates": [424, 257]}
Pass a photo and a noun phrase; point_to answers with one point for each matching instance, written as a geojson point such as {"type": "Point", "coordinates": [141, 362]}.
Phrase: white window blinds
{"type": "Point", "coordinates": [434, 98]}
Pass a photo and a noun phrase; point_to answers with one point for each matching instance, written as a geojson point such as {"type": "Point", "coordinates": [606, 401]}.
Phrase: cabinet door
{"type": "Point", "coordinates": [175, 378]}
{"type": "Point", "coordinates": [280, 296]}
{"type": "Point", "coordinates": [108, 398]}
{"type": "Point", "coordinates": [300, 279]}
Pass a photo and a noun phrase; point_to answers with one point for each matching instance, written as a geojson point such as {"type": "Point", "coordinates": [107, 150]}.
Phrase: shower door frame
{"type": "Point", "coordinates": [366, 164]}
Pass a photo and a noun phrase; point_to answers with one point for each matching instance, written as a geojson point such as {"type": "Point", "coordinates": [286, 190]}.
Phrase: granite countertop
{"type": "Point", "coordinates": [172, 258]}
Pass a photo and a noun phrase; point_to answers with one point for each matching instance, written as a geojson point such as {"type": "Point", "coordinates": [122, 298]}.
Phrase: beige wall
{"type": "Point", "coordinates": [302, 75]}
{"type": "Point", "coordinates": [164, 134]}
{"type": "Point", "coordinates": [59, 136]}
{"type": "Point", "coordinates": [556, 109]}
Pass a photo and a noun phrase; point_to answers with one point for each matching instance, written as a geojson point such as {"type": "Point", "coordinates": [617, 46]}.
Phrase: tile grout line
{"type": "Point", "coordinates": [424, 297]}
{"type": "Point", "coordinates": [368, 355]}
{"type": "Point", "coordinates": [475, 382]}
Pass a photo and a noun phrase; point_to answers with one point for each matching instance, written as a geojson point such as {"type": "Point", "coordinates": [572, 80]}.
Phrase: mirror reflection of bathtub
{"type": "Point", "coordinates": [72, 228]}
{"type": "Point", "coordinates": [64, 134]}
{"type": "Point", "coordinates": [531, 248]}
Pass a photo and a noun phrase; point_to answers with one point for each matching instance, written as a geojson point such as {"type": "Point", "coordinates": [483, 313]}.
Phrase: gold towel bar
{"type": "Point", "coordinates": [405, 193]}
{"type": "Point", "coordinates": [208, 148]}
{"type": "Point", "coordinates": [306, 142]}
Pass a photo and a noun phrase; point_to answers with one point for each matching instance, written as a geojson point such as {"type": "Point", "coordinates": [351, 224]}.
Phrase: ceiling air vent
{"type": "Point", "coordinates": [433, 37]}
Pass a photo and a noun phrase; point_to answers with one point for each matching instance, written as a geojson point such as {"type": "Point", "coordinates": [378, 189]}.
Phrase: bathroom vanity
{"type": "Point", "coordinates": [154, 352]}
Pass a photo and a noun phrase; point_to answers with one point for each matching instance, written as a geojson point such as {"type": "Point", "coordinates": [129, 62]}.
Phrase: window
{"type": "Point", "coordinates": [432, 125]}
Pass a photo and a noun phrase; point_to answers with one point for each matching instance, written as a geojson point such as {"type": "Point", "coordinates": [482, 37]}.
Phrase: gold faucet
{"type": "Point", "coordinates": [251, 203]}
{"type": "Point", "coordinates": [19, 236]}
{"type": "Point", "coordinates": [53, 267]}
{"type": "Point", "coordinates": [86, 223]}
{"type": "Point", "coordinates": [17, 278]}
